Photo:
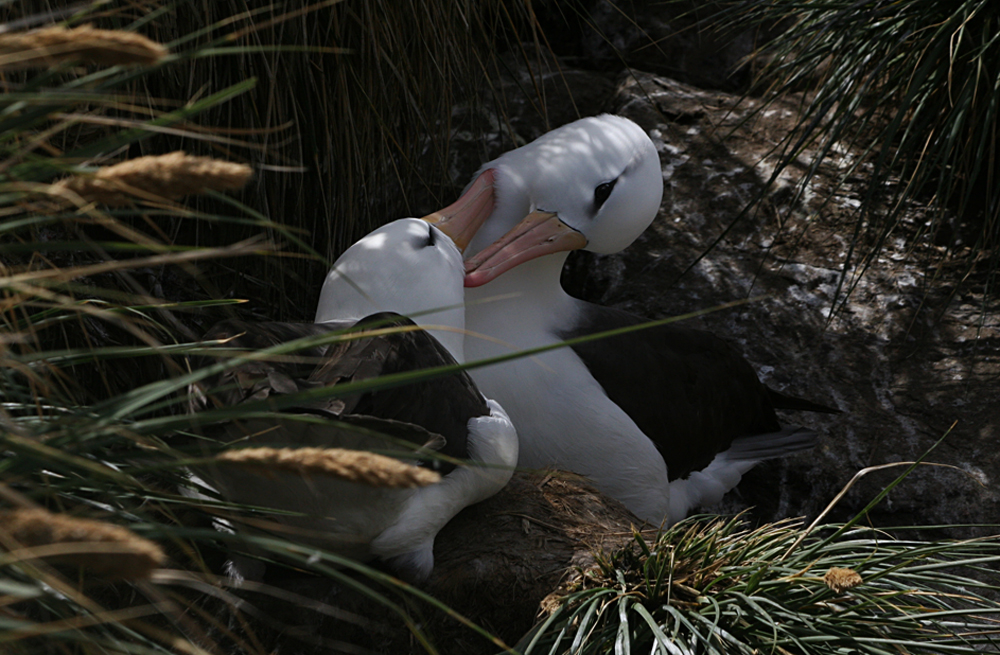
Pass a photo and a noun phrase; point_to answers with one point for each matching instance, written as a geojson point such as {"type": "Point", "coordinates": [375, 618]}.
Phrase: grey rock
{"type": "Point", "coordinates": [902, 362]}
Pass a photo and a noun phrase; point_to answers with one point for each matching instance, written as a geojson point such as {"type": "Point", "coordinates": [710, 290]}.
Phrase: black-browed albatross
{"type": "Point", "coordinates": [664, 419]}
{"type": "Point", "coordinates": [397, 269]}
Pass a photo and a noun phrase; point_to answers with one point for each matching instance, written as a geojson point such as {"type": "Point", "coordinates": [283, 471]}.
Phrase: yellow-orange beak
{"type": "Point", "coordinates": [539, 233]}
{"type": "Point", "coordinates": [463, 218]}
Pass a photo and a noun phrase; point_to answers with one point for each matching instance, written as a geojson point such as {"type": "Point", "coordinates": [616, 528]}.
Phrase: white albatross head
{"type": "Point", "coordinates": [595, 183]}
{"type": "Point", "coordinates": [411, 266]}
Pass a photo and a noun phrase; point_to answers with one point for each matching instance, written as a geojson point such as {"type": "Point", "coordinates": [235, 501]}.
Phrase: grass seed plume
{"type": "Point", "coordinates": [357, 466]}
{"type": "Point", "coordinates": [170, 177]}
{"type": "Point", "coordinates": [102, 549]}
{"type": "Point", "coordinates": [53, 46]}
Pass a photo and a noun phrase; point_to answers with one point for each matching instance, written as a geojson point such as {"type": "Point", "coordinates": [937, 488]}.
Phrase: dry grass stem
{"type": "Point", "coordinates": [157, 177]}
{"type": "Point", "coordinates": [57, 45]}
{"type": "Point", "coordinates": [106, 550]}
{"type": "Point", "coordinates": [352, 465]}
{"type": "Point", "coordinates": [840, 580]}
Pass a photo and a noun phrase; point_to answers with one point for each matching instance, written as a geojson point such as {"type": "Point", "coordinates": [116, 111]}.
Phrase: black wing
{"type": "Point", "coordinates": [686, 389]}
{"type": "Point", "coordinates": [413, 411]}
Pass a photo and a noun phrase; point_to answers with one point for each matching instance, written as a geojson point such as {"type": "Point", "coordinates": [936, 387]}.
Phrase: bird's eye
{"type": "Point", "coordinates": [430, 237]}
{"type": "Point", "coordinates": [602, 192]}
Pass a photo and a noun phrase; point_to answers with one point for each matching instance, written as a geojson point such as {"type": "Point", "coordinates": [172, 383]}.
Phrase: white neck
{"type": "Point", "coordinates": [342, 301]}
{"type": "Point", "coordinates": [555, 402]}
{"type": "Point", "coordinates": [520, 308]}
{"type": "Point", "coordinates": [452, 336]}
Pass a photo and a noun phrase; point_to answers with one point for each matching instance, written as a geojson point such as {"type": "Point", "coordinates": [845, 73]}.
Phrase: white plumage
{"type": "Point", "coordinates": [616, 411]}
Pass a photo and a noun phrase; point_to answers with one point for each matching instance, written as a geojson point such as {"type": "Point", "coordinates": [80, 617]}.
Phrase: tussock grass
{"type": "Point", "coordinates": [155, 178]}
{"type": "Point", "coordinates": [716, 585]}
{"type": "Point", "coordinates": [54, 46]}
{"type": "Point", "coordinates": [106, 550]}
{"type": "Point", "coordinates": [910, 87]}
{"type": "Point", "coordinates": [85, 498]}
{"type": "Point", "coordinates": [107, 279]}
{"type": "Point", "coordinates": [350, 123]}
{"type": "Point", "coordinates": [347, 104]}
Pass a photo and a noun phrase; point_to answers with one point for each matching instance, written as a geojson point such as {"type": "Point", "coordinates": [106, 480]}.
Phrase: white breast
{"type": "Point", "coordinates": [563, 416]}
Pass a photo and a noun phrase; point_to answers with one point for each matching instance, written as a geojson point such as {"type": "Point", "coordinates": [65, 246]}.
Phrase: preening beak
{"type": "Point", "coordinates": [463, 218]}
{"type": "Point", "coordinates": [539, 233]}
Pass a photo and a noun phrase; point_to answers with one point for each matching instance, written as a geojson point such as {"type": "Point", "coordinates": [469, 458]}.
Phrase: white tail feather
{"type": "Point", "coordinates": [707, 487]}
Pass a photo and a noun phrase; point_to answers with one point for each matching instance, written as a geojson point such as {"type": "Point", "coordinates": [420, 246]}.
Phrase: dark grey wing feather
{"type": "Point", "coordinates": [687, 390]}
{"type": "Point", "coordinates": [448, 401]}
{"type": "Point", "coordinates": [420, 412]}
{"type": "Point", "coordinates": [259, 379]}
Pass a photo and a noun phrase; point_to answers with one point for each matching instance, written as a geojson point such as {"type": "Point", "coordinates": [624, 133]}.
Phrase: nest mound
{"type": "Point", "coordinates": [496, 561]}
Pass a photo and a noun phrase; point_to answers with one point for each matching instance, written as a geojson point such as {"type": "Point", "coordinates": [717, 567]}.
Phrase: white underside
{"type": "Point", "coordinates": [563, 417]}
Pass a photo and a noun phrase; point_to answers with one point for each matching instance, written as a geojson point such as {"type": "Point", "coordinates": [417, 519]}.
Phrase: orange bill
{"type": "Point", "coordinates": [463, 218]}
{"type": "Point", "coordinates": [540, 233]}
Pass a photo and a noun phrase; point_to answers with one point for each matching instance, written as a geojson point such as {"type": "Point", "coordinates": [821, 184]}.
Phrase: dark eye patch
{"type": "Point", "coordinates": [430, 237]}
{"type": "Point", "coordinates": [602, 192]}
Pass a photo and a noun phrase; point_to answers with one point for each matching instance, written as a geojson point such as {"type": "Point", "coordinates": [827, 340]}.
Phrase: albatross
{"type": "Point", "coordinates": [404, 266]}
{"type": "Point", "coordinates": [664, 419]}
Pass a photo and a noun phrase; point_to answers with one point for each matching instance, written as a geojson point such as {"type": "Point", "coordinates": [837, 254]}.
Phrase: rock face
{"type": "Point", "coordinates": [682, 39]}
{"type": "Point", "coordinates": [677, 39]}
{"type": "Point", "coordinates": [900, 361]}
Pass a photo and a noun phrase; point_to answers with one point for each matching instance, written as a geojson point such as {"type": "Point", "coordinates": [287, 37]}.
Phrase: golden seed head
{"type": "Point", "coordinates": [52, 46]}
{"type": "Point", "coordinates": [157, 177]}
{"type": "Point", "coordinates": [352, 465]}
{"type": "Point", "coordinates": [106, 550]}
{"type": "Point", "coordinates": [840, 580]}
